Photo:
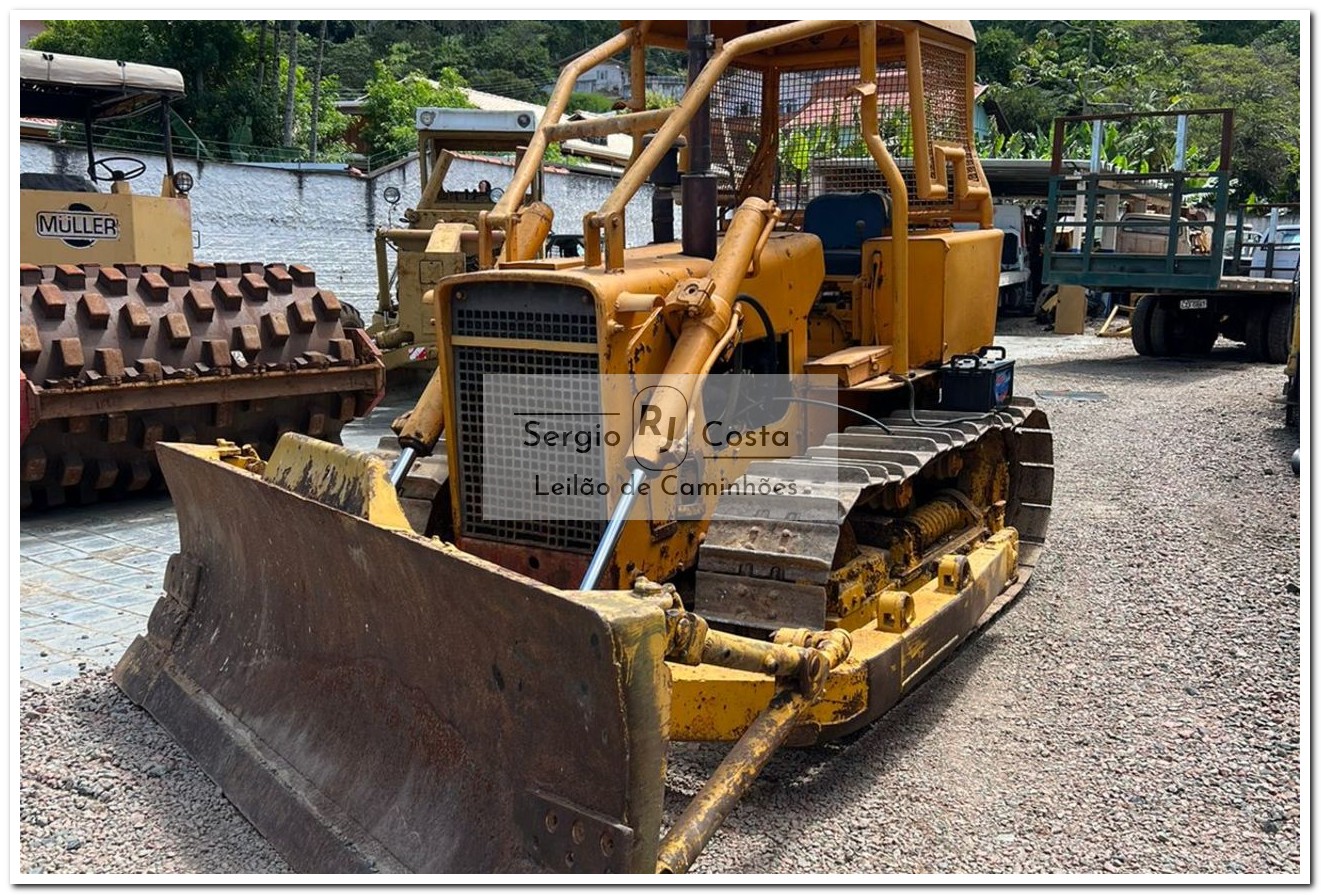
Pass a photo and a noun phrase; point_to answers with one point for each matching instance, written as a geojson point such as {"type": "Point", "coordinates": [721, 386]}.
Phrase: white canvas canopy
{"type": "Point", "coordinates": [56, 85]}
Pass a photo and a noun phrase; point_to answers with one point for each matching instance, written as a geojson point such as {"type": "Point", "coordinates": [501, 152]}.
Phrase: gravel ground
{"type": "Point", "coordinates": [1137, 711]}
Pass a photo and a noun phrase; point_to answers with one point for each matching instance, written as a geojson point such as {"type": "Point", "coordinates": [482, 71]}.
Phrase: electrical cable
{"type": "Point", "coordinates": [766, 324]}
{"type": "Point", "coordinates": [935, 424]}
{"type": "Point", "coordinates": [868, 417]}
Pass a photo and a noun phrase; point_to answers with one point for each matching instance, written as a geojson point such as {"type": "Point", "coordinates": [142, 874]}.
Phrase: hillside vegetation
{"type": "Point", "coordinates": [1040, 69]}
{"type": "Point", "coordinates": [240, 90]}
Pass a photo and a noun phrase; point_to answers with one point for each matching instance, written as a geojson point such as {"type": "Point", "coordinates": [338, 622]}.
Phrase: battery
{"type": "Point", "coordinates": [981, 381]}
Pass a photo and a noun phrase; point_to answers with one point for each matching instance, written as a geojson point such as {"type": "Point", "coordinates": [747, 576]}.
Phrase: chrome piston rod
{"type": "Point", "coordinates": [402, 464]}
{"type": "Point", "coordinates": [612, 531]}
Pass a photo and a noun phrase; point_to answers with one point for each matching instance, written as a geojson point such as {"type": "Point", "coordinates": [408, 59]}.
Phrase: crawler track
{"type": "Point", "coordinates": [868, 510]}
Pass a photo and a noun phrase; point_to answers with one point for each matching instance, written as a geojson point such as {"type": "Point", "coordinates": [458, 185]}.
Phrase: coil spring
{"type": "Point", "coordinates": [936, 519]}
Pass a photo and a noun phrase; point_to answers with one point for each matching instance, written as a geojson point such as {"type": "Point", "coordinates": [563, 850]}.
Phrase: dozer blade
{"type": "Point", "coordinates": [376, 701]}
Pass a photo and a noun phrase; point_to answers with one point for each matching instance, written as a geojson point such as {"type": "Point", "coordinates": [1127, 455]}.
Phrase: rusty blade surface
{"type": "Point", "coordinates": [372, 700]}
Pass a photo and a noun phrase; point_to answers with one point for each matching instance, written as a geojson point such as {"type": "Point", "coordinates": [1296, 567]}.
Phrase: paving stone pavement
{"type": "Point", "coordinates": [89, 576]}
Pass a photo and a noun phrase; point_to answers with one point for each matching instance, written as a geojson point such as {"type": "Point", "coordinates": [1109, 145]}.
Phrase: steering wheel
{"type": "Point", "coordinates": [136, 168]}
{"type": "Point", "coordinates": [495, 194]}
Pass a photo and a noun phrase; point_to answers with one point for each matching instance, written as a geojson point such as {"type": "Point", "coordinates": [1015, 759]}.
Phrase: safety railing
{"type": "Point", "coordinates": [187, 144]}
{"type": "Point", "coordinates": [1154, 230]}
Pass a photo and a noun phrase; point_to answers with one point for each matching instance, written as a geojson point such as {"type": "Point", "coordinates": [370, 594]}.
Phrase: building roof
{"type": "Point", "coordinates": [1028, 178]}
{"type": "Point", "coordinates": [833, 99]}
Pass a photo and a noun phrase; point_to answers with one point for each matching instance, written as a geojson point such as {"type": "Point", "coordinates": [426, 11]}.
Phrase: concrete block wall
{"type": "Point", "coordinates": [326, 218]}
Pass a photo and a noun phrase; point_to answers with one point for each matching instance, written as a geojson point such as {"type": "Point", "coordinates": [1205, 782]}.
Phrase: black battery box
{"type": "Point", "coordinates": [981, 381]}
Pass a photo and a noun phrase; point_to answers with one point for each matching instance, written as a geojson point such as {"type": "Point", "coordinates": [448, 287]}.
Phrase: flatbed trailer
{"type": "Point", "coordinates": [1158, 239]}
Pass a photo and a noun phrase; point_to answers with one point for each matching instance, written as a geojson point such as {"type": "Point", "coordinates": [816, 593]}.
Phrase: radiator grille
{"type": "Point", "coordinates": [496, 504]}
{"type": "Point", "coordinates": [523, 323]}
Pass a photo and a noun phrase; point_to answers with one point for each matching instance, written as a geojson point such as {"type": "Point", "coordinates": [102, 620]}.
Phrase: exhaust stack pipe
{"type": "Point", "coordinates": [663, 181]}
{"type": "Point", "coordinates": [699, 184]}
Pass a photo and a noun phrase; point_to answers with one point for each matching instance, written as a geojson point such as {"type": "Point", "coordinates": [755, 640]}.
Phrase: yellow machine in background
{"type": "Point", "coordinates": [441, 236]}
{"type": "Point", "coordinates": [126, 341]}
{"type": "Point", "coordinates": [515, 679]}
{"type": "Point", "coordinates": [1293, 368]}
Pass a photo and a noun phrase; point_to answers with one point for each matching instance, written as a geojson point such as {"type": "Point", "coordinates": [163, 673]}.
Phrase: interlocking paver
{"type": "Point", "coordinates": [91, 543]}
{"type": "Point", "coordinates": [32, 654]}
{"type": "Point", "coordinates": [32, 623]}
{"type": "Point", "coordinates": [120, 552]}
{"type": "Point", "coordinates": [89, 567]}
{"type": "Point", "coordinates": [100, 593]}
{"type": "Point", "coordinates": [90, 614]}
{"type": "Point", "coordinates": [54, 673]}
{"type": "Point", "coordinates": [62, 554]}
{"type": "Point", "coordinates": [34, 596]}
{"type": "Point", "coordinates": [126, 626]}
{"type": "Point", "coordinates": [149, 559]}
{"type": "Point", "coordinates": [126, 598]}
{"type": "Point", "coordinates": [71, 638]}
{"type": "Point", "coordinates": [133, 576]}
{"type": "Point", "coordinates": [90, 576]}
{"type": "Point", "coordinates": [37, 546]}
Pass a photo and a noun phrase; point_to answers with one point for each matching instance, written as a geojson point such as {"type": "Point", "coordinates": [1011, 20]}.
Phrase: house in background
{"type": "Point", "coordinates": [613, 78]}
{"type": "Point", "coordinates": [609, 78]}
{"type": "Point", "coordinates": [832, 101]}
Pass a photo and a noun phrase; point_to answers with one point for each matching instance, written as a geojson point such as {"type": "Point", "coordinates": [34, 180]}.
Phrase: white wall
{"type": "Point", "coordinates": [324, 219]}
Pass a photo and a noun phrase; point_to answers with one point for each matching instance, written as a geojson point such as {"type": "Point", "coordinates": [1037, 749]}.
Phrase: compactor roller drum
{"type": "Point", "coordinates": [116, 358]}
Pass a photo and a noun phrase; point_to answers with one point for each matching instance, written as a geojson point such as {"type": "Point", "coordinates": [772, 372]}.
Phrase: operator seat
{"type": "Point", "coordinates": [843, 222]}
{"type": "Point", "coordinates": [63, 183]}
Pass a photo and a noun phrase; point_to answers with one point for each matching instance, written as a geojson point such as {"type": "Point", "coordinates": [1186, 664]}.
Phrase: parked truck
{"type": "Point", "coordinates": [1159, 237]}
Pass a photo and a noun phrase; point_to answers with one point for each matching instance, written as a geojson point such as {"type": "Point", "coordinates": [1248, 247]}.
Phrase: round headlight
{"type": "Point", "coordinates": [391, 194]}
{"type": "Point", "coordinates": [183, 182]}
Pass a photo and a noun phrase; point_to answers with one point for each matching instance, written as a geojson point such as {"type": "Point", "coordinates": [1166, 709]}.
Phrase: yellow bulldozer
{"type": "Point", "coordinates": [125, 341]}
{"type": "Point", "coordinates": [494, 686]}
{"type": "Point", "coordinates": [441, 235]}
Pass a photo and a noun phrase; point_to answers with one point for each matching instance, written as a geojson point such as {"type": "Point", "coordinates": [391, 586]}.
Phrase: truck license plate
{"type": "Point", "coordinates": [1192, 304]}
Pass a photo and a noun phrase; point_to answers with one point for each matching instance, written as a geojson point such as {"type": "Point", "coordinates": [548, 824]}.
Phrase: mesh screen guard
{"type": "Point", "coordinates": [820, 142]}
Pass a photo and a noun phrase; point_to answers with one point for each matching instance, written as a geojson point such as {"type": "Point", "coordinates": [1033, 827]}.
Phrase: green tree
{"type": "Point", "coordinates": [316, 91]}
{"type": "Point", "coordinates": [392, 105]}
{"type": "Point", "coordinates": [656, 100]}
{"type": "Point", "coordinates": [1076, 65]}
{"type": "Point", "coordinates": [1261, 85]}
{"type": "Point", "coordinates": [231, 78]}
{"type": "Point", "coordinates": [589, 102]}
{"type": "Point", "coordinates": [1060, 68]}
{"type": "Point", "coordinates": [290, 74]}
{"type": "Point", "coordinates": [998, 50]}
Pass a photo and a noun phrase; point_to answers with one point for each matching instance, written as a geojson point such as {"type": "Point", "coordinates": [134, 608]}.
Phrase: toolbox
{"type": "Point", "coordinates": [981, 381]}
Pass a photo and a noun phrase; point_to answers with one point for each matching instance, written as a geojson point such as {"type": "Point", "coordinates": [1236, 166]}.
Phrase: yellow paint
{"type": "Point", "coordinates": [148, 229]}
{"type": "Point", "coordinates": [788, 276]}
{"type": "Point", "coordinates": [951, 305]}
{"type": "Point", "coordinates": [420, 265]}
{"type": "Point", "coordinates": [716, 704]}
{"type": "Point", "coordinates": [351, 480]}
